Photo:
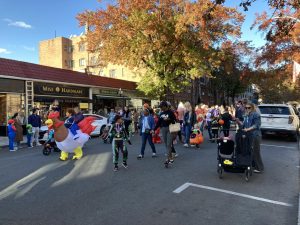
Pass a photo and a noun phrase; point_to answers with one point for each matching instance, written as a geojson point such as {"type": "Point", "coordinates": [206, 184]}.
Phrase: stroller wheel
{"type": "Point", "coordinates": [166, 163]}
{"type": "Point", "coordinates": [247, 174]}
{"type": "Point", "coordinates": [197, 146]}
{"type": "Point", "coordinates": [220, 171]}
{"type": "Point", "coordinates": [46, 151]}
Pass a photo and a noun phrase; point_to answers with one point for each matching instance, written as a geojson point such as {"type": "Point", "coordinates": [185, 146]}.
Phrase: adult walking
{"type": "Point", "coordinates": [127, 119]}
{"type": "Point", "coordinates": [147, 126]}
{"type": "Point", "coordinates": [188, 122]}
{"type": "Point", "coordinates": [166, 117]}
{"type": "Point", "coordinates": [18, 122]}
{"type": "Point", "coordinates": [208, 119]}
{"type": "Point", "coordinates": [227, 118]}
{"type": "Point", "coordinates": [35, 121]}
{"type": "Point", "coordinates": [251, 125]}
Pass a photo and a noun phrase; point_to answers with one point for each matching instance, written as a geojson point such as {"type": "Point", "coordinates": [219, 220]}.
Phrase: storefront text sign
{"type": "Point", "coordinates": [60, 90]}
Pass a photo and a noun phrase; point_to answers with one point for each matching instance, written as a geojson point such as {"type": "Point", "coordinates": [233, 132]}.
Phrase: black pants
{"type": "Point", "coordinates": [127, 124]}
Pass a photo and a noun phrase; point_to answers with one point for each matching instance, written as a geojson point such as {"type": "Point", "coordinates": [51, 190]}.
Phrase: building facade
{"type": "Point", "coordinates": [24, 86]}
{"type": "Point", "coordinates": [72, 54]}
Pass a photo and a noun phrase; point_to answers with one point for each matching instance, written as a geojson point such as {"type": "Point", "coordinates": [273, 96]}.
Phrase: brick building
{"type": "Point", "coordinates": [71, 53]}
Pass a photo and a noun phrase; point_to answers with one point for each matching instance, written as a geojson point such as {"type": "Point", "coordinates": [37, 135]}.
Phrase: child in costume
{"type": "Point", "coordinates": [29, 135]}
{"type": "Point", "coordinates": [11, 134]}
{"type": "Point", "coordinates": [119, 136]}
{"type": "Point", "coordinates": [215, 126]}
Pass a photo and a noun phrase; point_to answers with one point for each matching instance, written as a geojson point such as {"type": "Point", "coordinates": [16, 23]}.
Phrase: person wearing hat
{"type": "Point", "coordinates": [147, 126]}
{"type": "Point", "coordinates": [11, 129]}
{"type": "Point", "coordinates": [166, 117]}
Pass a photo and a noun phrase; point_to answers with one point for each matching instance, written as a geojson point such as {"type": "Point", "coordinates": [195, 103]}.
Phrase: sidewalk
{"type": "Point", "coordinates": [4, 141]}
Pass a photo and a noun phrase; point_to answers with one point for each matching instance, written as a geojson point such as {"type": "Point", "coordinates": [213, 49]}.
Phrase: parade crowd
{"type": "Point", "coordinates": [165, 124]}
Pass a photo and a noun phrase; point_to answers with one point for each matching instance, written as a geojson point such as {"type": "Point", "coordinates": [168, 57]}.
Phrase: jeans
{"type": "Point", "coordinates": [145, 137]}
{"type": "Point", "coordinates": [35, 135]}
{"type": "Point", "coordinates": [29, 136]}
{"type": "Point", "coordinates": [11, 142]}
{"type": "Point", "coordinates": [209, 129]}
{"type": "Point", "coordinates": [187, 130]}
{"type": "Point", "coordinates": [167, 137]}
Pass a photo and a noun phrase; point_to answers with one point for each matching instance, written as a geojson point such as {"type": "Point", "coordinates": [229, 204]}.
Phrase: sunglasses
{"type": "Point", "coordinates": [247, 107]}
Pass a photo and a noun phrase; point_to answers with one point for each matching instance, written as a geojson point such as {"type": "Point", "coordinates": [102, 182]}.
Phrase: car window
{"type": "Point", "coordinates": [276, 110]}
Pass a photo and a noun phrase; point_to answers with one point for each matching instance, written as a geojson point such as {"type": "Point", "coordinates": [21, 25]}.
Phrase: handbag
{"type": "Point", "coordinates": [174, 127]}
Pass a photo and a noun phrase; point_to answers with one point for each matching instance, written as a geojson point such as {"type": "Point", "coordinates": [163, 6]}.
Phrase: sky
{"type": "Point", "coordinates": [24, 23]}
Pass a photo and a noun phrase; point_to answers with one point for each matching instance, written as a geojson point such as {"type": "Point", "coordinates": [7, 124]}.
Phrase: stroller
{"type": "Point", "coordinates": [50, 144]}
{"type": "Point", "coordinates": [235, 157]}
{"type": "Point", "coordinates": [196, 138]}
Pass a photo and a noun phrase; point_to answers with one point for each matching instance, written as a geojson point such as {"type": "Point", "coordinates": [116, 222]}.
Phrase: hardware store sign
{"type": "Point", "coordinates": [60, 90]}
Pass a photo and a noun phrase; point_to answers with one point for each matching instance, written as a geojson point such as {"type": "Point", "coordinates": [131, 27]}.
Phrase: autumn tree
{"type": "Point", "coordinates": [170, 42]}
{"type": "Point", "coordinates": [231, 78]}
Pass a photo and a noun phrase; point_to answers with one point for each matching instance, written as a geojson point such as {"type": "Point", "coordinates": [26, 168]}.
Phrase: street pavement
{"type": "Point", "coordinates": [41, 190]}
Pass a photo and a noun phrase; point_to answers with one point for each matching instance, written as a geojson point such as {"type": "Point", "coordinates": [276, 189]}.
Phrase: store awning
{"type": "Point", "coordinates": [112, 97]}
{"type": "Point", "coordinates": [61, 99]}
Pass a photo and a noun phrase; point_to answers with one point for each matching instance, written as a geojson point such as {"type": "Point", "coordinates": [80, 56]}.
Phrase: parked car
{"type": "Point", "coordinates": [279, 118]}
{"type": "Point", "coordinates": [100, 123]}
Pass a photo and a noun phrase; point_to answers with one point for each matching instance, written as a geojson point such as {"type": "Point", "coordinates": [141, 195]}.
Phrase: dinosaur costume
{"type": "Point", "coordinates": [64, 138]}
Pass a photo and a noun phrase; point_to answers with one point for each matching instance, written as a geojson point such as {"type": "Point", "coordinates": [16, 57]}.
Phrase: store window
{"type": "Point", "coordinates": [9, 105]}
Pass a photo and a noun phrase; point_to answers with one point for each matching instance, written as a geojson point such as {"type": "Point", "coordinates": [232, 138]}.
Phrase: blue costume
{"type": "Point", "coordinates": [11, 136]}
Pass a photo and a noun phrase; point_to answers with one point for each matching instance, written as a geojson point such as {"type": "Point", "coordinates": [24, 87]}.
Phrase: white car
{"type": "Point", "coordinates": [100, 123]}
{"type": "Point", "coordinates": [279, 118]}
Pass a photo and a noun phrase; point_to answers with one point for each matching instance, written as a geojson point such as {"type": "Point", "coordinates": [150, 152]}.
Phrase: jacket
{"type": "Point", "coordinates": [151, 123]}
{"type": "Point", "coordinates": [190, 121]}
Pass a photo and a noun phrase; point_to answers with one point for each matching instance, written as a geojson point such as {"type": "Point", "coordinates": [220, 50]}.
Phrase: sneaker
{"type": "Point", "coordinates": [38, 144]}
{"type": "Point", "coordinates": [171, 161]}
{"type": "Point", "coordinates": [124, 164]}
{"type": "Point", "coordinates": [116, 168]}
{"type": "Point", "coordinates": [30, 146]}
{"type": "Point", "coordinates": [154, 155]}
{"type": "Point", "coordinates": [176, 155]}
{"type": "Point", "coordinates": [140, 157]}
{"type": "Point", "coordinates": [12, 150]}
{"type": "Point", "coordinates": [256, 171]}
{"type": "Point", "coordinates": [15, 148]}
{"type": "Point", "coordinates": [186, 145]}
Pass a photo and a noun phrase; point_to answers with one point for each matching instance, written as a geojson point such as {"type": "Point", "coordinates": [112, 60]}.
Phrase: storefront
{"type": "Point", "coordinates": [104, 99]}
{"type": "Point", "coordinates": [12, 100]}
{"type": "Point", "coordinates": [67, 96]}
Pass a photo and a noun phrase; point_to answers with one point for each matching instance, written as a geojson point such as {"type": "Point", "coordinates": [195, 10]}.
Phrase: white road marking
{"type": "Point", "coordinates": [299, 211]}
{"type": "Point", "coordinates": [278, 146]}
{"type": "Point", "coordinates": [186, 185]}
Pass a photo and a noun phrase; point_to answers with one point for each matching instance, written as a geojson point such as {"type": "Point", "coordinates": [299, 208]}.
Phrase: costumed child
{"type": "Point", "coordinates": [29, 135]}
{"type": "Point", "coordinates": [11, 134]}
{"type": "Point", "coordinates": [119, 136]}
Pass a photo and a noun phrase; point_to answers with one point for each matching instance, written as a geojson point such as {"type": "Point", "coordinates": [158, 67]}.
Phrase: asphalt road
{"type": "Point", "coordinates": [37, 189]}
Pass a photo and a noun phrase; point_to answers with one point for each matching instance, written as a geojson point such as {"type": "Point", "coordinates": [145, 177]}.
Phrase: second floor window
{"type": "Point", "coordinates": [82, 62]}
{"type": "Point", "coordinates": [101, 73]}
{"type": "Point", "coordinates": [112, 73]}
{"type": "Point", "coordinates": [81, 47]}
{"type": "Point", "coordinates": [93, 60]}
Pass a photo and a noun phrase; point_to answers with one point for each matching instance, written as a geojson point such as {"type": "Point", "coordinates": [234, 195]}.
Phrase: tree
{"type": "Point", "coordinates": [232, 76]}
{"type": "Point", "coordinates": [169, 42]}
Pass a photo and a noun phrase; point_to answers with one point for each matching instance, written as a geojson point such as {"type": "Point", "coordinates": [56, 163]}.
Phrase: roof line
{"type": "Point", "coordinates": [55, 82]}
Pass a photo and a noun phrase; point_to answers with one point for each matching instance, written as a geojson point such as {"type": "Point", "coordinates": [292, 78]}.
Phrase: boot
{"type": "Point", "coordinates": [77, 153]}
{"type": "Point", "coordinates": [63, 156]}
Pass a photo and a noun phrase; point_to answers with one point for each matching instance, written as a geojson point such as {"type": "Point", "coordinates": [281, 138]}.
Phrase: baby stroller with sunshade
{"type": "Point", "coordinates": [50, 144]}
{"type": "Point", "coordinates": [235, 157]}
